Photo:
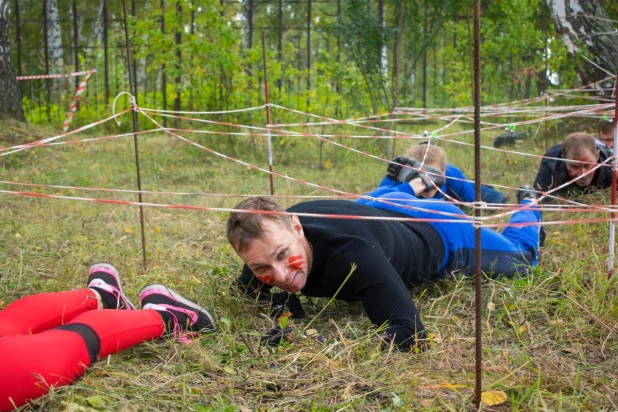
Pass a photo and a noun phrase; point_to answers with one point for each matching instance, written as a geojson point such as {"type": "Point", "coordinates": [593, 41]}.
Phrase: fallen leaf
{"type": "Point", "coordinates": [347, 393]}
{"type": "Point", "coordinates": [493, 398]}
{"type": "Point", "coordinates": [129, 229]}
{"type": "Point", "coordinates": [96, 401]}
{"type": "Point", "coordinates": [119, 241]}
{"type": "Point", "coordinates": [425, 403]}
{"type": "Point", "coordinates": [74, 407]}
{"type": "Point", "coordinates": [195, 280]}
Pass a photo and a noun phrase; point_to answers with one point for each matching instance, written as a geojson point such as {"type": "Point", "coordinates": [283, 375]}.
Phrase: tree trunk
{"type": "Point", "coordinates": [163, 67]}
{"type": "Point", "coordinates": [54, 35]}
{"type": "Point", "coordinates": [586, 24]}
{"type": "Point", "coordinates": [178, 37]}
{"type": "Point", "coordinates": [308, 52]}
{"type": "Point", "coordinates": [97, 25]}
{"type": "Point", "coordinates": [425, 55]}
{"type": "Point", "coordinates": [10, 97]}
{"type": "Point", "coordinates": [280, 45]}
{"type": "Point", "coordinates": [382, 50]}
{"type": "Point", "coordinates": [249, 17]}
{"type": "Point", "coordinates": [75, 43]}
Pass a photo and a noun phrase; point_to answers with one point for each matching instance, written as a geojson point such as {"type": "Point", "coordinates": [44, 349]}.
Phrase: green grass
{"type": "Point", "coordinates": [549, 340]}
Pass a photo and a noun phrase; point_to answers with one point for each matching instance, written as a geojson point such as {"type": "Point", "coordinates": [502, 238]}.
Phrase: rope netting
{"type": "Point", "coordinates": [454, 127]}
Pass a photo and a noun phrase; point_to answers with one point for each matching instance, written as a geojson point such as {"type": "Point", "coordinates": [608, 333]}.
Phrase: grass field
{"type": "Point", "coordinates": [550, 340]}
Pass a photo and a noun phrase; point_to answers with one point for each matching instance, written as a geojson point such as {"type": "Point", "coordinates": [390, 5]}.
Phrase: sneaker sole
{"type": "Point", "coordinates": [177, 297]}
{"type": "Point", "coordinates": [115, 274]}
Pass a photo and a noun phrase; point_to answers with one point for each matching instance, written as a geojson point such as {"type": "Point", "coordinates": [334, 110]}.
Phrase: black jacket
{"type": "Point", "coordinates": [553, 172]}
{"type": "Point", "coordinates": [389, 257]}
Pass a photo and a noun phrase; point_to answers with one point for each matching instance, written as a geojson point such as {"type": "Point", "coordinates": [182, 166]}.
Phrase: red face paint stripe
{"type": "Point", "coordinates": [266, 279]}
{"type": "Point", "coordinates": [296, 262]}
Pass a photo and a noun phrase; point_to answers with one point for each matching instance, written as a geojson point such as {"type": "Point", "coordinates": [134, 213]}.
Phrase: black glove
{"type": "Point", "coordinates": [396, 165]}
{"type": "Point", "coordinates": [284, 302]}
{"type": "Point", "coordinates": [435, 176]}
{"type": "Point", "coordinates": [273, 336]}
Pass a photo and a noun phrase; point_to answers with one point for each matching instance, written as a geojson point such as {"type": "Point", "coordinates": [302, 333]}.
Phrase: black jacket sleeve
{"type": "Point", "coordinates": [384, 296]}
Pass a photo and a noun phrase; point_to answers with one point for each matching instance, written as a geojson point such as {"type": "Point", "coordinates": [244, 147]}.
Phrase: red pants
{"type": "Point", "coordinates": [35, 357]}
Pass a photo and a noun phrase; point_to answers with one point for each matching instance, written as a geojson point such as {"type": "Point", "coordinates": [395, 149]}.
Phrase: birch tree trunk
{"type": "Point", "coordinates": [10, 97]}
{"type": "Point", "coordinates": [585, 25]}
{"type": "Point", "coordinates": [54, 35]}
{"type": "Point", "coordinates": [382, 57]}
{"type": "Point", "coordinates": [97, 26]}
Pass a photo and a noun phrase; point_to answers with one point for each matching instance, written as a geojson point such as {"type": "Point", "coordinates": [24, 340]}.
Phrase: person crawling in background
{"type": "Point", "coordinates": [456, 185]}
{"type": "Point", "coordinates": [572, 162]}
{"type": "Point", "coordinates": [605, 130]}
{"type": "Point", "coordinates": [389, 252]}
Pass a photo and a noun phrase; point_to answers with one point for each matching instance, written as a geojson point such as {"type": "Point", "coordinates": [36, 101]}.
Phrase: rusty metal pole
{"type": "Point", "coordinates": [75, 45]}
{"type": "Point", "coordinates": [267, 100]}
{"type": "Point", "coordinates": [133, 88]}
{"type": "Point", "coordinates": [477, 197]}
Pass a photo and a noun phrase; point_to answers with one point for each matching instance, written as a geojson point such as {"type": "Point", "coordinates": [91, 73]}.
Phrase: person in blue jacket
{"type": "Point", "coordinates": [456, 186]}
{"type": "Point", "coordinates": [408, 194]}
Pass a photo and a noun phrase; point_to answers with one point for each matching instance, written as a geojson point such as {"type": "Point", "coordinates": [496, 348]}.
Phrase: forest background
{"type": "Point", "coordinates": [336, 58]}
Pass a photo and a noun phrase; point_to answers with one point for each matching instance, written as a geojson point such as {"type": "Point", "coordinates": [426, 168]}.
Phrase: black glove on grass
{"type": "Point", "coordinates": [284, 302]}
{"type": "Point", "coordinates": [274, 336]}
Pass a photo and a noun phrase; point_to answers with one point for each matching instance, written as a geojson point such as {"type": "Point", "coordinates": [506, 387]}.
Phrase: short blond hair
{"type": "Point", "coordinates": [433, 155]}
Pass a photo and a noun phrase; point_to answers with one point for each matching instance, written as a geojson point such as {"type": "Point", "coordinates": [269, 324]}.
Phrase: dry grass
{"type": "Point", "coordinates": [549, 340]}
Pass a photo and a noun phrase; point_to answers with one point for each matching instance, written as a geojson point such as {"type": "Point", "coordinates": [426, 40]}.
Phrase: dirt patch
{"type": "Point", "coordinates": [13, 132]}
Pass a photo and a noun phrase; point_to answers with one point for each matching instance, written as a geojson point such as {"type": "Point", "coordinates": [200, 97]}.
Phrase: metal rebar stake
{"type": "Point", "coordinates": [133, 88]}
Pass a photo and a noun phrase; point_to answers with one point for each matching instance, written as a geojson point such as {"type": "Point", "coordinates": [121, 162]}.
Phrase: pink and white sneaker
{"type": "Point", "coordinates": [104, 279]}
{"type": "Point", "coordinates": [179, 314]}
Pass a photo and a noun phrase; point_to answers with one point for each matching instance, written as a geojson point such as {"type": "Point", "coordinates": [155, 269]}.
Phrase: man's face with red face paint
{"type": "Point", "coordinates": [588, 161]}
{"type": "Point", "coordinates": [280, 258]}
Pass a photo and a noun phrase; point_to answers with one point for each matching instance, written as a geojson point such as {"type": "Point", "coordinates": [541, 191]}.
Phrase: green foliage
{"type": "Point", "coordinates": [352, 57]}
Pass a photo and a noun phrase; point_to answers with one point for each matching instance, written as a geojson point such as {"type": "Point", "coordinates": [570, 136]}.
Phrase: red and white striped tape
{"type": "Point", "coordinates": [55, 76]}
{"type": "Point", "coordinates": [78, 93]}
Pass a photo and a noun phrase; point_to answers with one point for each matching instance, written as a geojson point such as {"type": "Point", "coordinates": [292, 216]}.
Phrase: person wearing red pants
{"type": "Point", "coordinates": [50, 339]}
